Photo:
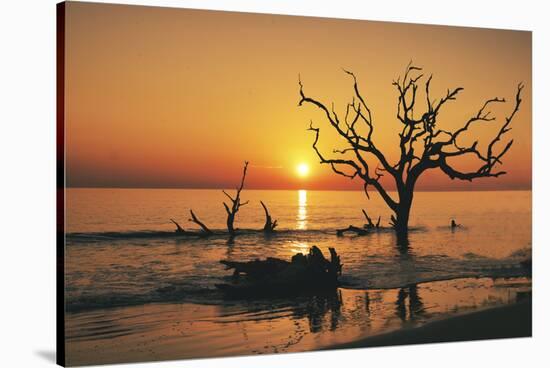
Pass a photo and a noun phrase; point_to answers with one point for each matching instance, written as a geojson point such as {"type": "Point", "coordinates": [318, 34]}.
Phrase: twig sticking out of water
{"type": "Point", "coordinates": [196, 220]}
{"type": "Point", "coordinates": [179, 229]}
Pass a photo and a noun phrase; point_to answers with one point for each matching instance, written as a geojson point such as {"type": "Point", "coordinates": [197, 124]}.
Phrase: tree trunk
{"type": "Point", "coordinates": [401, 224]}
{"type": "Point", "coordinates": [230, 220]}
{"type": "Point", "coordinates": [401, 219]}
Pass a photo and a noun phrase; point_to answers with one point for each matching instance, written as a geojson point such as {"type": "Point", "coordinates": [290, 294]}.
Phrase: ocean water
{"type": "Point", "coordinates": [137, 291]}
{"type": "Point", "coordinates": [121, 248]}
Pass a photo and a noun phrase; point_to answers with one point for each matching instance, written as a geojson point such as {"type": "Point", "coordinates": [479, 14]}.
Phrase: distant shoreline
{"type": "Point", "coordinates": [508, 321]}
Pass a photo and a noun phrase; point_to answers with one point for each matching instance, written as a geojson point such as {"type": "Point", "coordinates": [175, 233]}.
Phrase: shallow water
{"type": "Point", "coordinates": [176, 330]}
{"type": "Point", "coordinates": [136, 291]}
{"type": "Point", "coordinates": [121, 249]}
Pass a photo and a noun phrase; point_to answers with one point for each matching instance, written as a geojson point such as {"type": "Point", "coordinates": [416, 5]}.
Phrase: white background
{"type": "Point", "coordinates": [27, 193]}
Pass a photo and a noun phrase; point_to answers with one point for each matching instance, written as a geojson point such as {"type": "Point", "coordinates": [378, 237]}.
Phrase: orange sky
{"type": "Point", "coordinates": [160, 97]}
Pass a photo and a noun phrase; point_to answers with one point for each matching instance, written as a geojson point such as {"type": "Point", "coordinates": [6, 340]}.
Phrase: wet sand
{"type": "Point", "coordinates": [507, 321]}
{"type": "Point", "coordinates": [348, 318]}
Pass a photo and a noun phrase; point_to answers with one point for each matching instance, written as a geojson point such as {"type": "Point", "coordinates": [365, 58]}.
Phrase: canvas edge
{"type": "Point", "coordinates": [60, 183]}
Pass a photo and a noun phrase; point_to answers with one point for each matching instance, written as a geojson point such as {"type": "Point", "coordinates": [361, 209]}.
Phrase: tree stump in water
{"type": "Point", "coordinates": [270, 224]}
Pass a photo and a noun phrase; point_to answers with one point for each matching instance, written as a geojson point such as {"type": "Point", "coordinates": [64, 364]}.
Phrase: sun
{"type": "Point", "coordinates": [302, 170]}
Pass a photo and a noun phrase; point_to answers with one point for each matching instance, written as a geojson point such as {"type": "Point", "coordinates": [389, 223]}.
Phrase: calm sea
{"type": "Point", "coordinates": [120, 250]}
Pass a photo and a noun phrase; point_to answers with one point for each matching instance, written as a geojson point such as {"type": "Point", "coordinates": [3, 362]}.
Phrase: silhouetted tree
{"type": "Point", "coordinates": [423, 144]}
{"type": "Point", "coordinates": [235, 203]}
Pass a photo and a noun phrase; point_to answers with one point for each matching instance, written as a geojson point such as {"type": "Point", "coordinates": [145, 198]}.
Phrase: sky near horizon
{"type": "Point", "coordinates": [164, 97]}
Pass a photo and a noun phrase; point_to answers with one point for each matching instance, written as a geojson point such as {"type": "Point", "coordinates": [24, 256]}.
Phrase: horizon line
{"type": "Point", "coordinates": [298, 189]}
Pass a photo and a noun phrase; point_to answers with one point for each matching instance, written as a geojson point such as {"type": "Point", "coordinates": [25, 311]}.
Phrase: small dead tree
{"type": "Point", "coordinates": [270, 225]}
{"type": "Point", "coordinates": [235, 203]}
{"type": "Point", "coordinates": [423, 144]}
{"type": "Point", "coordinates": [369, 224]}
{"type": "Point", "coordinates": [196, 220]}
{"type": "Point", "coordinates": [179, 229]}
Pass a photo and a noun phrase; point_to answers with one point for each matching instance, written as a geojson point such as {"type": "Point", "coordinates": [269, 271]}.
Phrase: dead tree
{"type": "Point", "coordinates": [195, 219]}
{"type": "Point", "coordinates": [235, 203]}
{"type": "Point", "coordinates": [423, 143]}
{"type": "Point", "coordinates": [369, 224]}
{"type": "Point", "coordinates": [179, 229]}
{"type": "Point", "coordinates": [270, 225]}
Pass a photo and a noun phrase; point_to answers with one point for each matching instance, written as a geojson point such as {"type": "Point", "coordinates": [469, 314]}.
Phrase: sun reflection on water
{"type": "Point", "coordinates": [299, 247]}
{"type": "Point", "coordinates": [301, 217]}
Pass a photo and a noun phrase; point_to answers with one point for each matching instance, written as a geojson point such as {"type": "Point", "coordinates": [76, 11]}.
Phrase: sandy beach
{"type": "Point", "coordinates": [507, 321]}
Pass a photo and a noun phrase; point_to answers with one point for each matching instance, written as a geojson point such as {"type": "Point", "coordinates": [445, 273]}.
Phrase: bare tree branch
{"type": "Point", "coordinates": [179, 229]}
{"type": "Point", "coordinates": [196, 220]}
{"type": "Point", "coordinates": [359, 145]}
{"type": "Point", "coordinates": [236, 203]}
{"type": "Point", "coordinates": [369, 220]}
{"type": "Point", "coordinates": [423, 144]}
{"type": "Point", "coordinates": [490, 159]}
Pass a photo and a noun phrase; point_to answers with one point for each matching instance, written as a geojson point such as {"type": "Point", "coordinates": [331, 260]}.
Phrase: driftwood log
{"type": "Point", "coordinates": [276, 277]}
{"type": "Point", "coordinates": [352, 229]}
{"type": "Point", "coordinates": [367, 228]}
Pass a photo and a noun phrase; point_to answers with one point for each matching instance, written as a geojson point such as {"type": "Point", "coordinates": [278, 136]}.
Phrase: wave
{"type": "Point", "coordinates": [165, 294]}
{"type": "Point", "coordinates": [160, 276]}
{"type": "Point", "coordinates": [124, 235]}
{"type": "Point", "coordinates": [87, 237]}
{"type": "Point", "coordinates": [215, 297]}
{"type": "Point", "coordinates": [206, 293]}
